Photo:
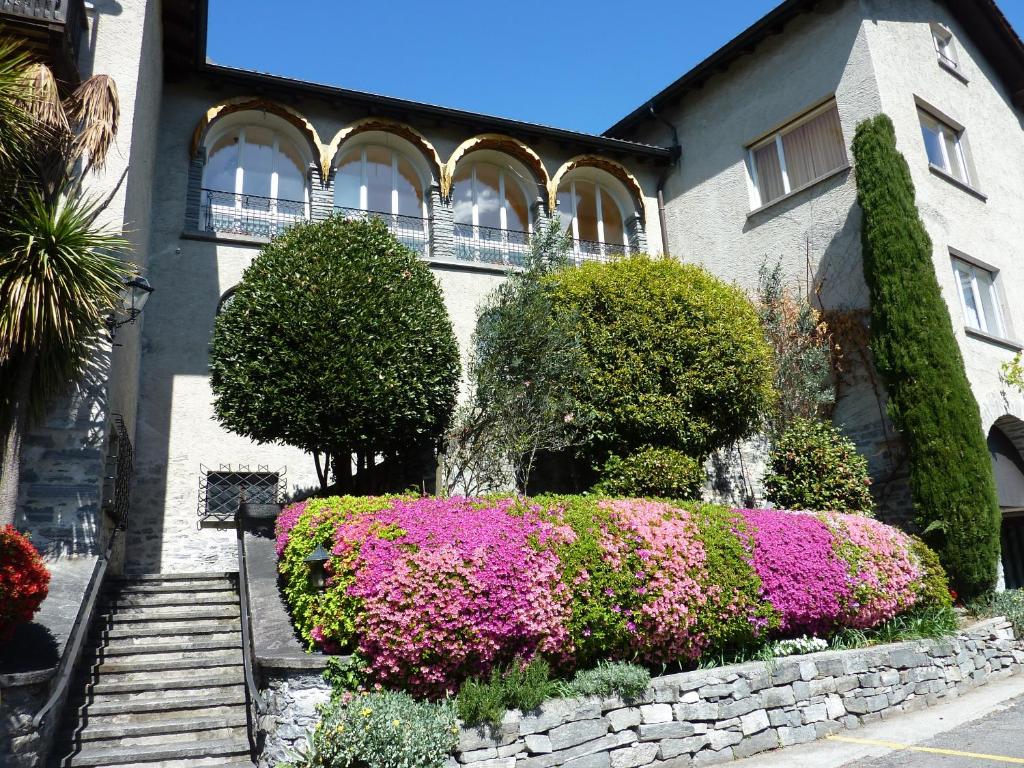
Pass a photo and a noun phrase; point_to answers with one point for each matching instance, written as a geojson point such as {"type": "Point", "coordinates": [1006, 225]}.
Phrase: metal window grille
{"type": "Point", "coordinates": [411, 231]}
{"type": "Point", "coordinates": [222, 491]}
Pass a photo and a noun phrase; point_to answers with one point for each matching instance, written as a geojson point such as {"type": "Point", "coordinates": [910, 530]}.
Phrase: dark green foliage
{"type": "Point", "coordinates": [653, 472]}
{"type": "Point", "coordinates": [518, 686]}
{"type": "Point", "coordinates": [916, 353]}
{"type": "Point", "coordinates": [611, 678]}
{"type": "Point", "coordinates": [337, 341]}
{"type": "Point", "coordinates": [934, 591]}
{"type": "Point", "coordinates": [813, 466]}
{"type": "Point", "coordinates": [920, 623]}
{"type": "Point", "coordinates": [676, 358]}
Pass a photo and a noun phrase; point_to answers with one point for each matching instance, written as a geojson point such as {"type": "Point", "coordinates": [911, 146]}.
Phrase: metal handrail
{"type": "Point", "coordinates": [73, 650]}
{"type": "Point", "coordinates": [248, 656]}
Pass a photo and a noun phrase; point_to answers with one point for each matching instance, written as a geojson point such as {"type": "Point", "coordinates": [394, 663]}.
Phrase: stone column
{"type": "Point", "coordinates": [321, 193]}
{"type": "Point", "coordinates": [442, 225]}
{"type": "Point", "coordinates": [637, 234]}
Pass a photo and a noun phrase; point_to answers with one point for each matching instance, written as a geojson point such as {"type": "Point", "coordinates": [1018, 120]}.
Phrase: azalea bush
{"type": "Point", "coordinates": [430, 593]}
{"type": "Point", "coordinates": [24, 581]}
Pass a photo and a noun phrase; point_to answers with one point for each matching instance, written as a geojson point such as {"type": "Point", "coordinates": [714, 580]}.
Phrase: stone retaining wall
{"type": "Point", "coordinates": [706, 716]}
{"type": "Point", "coordinates": [21, 696]}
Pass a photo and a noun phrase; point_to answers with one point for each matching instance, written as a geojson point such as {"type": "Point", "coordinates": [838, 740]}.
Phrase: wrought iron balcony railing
{"type": "Point", "coordinates": [491, 245]}
{"type": "Point", "coordinates": [253, 215]}
{"type": "Point", "coordinates": [411, 231]}
{"type": "Point", "coordinates": [591, 250]}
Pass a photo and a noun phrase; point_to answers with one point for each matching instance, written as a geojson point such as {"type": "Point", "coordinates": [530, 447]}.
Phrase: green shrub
{"type": "Point", "coordinates": [383, 730]}
{"type": "Point", "coordinates": [518, 686]}
{"type": "Point", "coordinates": [813, 466]}
{"type": "Point", "coordinates": [934, 589]}
{"type": "Point", "coordinates": [1009, 604]}
{"type": "Point", "coordinates": [920, 623]}
{"type": "Point", "coordinates": [337, 341]}
{"type": "Point", "coordinates": [653, 472]}
{"type": "Point", "coordinates": [918, 359]}
{"type": "Point", "coordinates": [676, 358]}
{"type": "Point", "coordinates": [611, 678]}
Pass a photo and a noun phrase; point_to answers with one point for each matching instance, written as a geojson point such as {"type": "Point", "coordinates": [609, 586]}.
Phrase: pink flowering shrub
{"type": "Point", "coordinates": [430, 592]}
{"type": "Point", "coordinates": [802, 575]}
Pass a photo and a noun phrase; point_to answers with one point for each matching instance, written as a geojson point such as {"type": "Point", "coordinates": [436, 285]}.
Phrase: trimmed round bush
{"type": "Point", "coordinates": [814, 466]}
{"type": "Point", "coordinates": [24, 581]}
{"type": "Point", "coordinates": [653, 472]}
{"type": "Point", "coordinates": [433, 592]}
{"type": "Point", "coordinates": [676, 357]}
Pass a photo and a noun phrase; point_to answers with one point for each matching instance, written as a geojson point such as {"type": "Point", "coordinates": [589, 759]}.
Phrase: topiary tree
{"type": "Point", "coordinates": [653, 472]}
{"type": "Point", "coordinates": [813, 466]}
{"type": "Point", "coordinates": [676, 358]}
{"type": "Point", "coordinates": [337, 342]}
{"type": "Point", "coordinates": [917, 356]}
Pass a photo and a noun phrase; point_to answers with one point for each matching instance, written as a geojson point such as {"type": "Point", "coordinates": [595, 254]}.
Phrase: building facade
{"type": "Point", "coordinates": [746, 159]}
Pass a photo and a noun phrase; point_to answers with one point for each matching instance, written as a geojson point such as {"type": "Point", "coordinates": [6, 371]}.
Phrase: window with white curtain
{"type": "Point", "coordinates": [378, 179]}
{"type": "Point", "coordinates": [805, 151]}
{"type": "Point", "coordinates": [945, 146]}
{"type": "Point", "coordinates": [590, 214]}
{"type": "Point", "coordinates": [978, 297]}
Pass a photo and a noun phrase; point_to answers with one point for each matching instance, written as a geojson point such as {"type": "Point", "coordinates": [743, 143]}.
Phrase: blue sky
{"type": "Point", "coordinates": [577, 64]}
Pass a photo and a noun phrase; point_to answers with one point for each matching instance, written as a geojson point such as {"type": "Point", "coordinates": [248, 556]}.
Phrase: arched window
{"type": "Point", "coordinates": [593, 216]}
{"type": "Point", "coordinates": [373, 179]}
{"type": "Point", "coordinates": [254, 182]}
{"type": "Point", "coordinates": [492, 215]}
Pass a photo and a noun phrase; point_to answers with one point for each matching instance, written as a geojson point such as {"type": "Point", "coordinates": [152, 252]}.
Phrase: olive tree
{"type": "Point", "coordinates": [337, 341]}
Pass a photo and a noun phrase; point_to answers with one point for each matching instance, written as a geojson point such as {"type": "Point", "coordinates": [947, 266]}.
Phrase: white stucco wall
{"type": "Point", "coordinates": [990, 230]}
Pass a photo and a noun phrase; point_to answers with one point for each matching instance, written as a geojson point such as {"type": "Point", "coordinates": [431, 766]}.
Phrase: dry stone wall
{"type": "Point", "coordinates": [713, 716]}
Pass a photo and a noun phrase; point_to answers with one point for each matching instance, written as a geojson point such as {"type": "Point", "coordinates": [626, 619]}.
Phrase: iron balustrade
{"type": "Point", "coordinates": [591, 250]}
{"type": "Point", "coordinates": [411, 231]}
{"type": "Point", "coordinates": [491, 245]}
{"type": "Point", "coordinates": [236, 213]}
{"type": "Point", "coordinates": [256, 708]}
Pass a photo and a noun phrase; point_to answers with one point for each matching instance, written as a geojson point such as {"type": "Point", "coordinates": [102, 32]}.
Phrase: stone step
{"type": "Point", "coordinates": [126, 615]}
{"type": "Point", "coordinates": [160, 674]}
{"type": "Point", "coordinates": [203, 732]}
{"type": "Point", "coordinates": [149, 629]}
{"type": "Point", "coordinates": [157, 588]}
{"type": "Point", "coordinates": [159, 754]}
{"type": "Point", "coordinates": [181, 701]}
{"type": "Point", "coordinates": [147, 663]}
{"type": "Point", "coordinates": [196, 694]}
{"type": "Point", "coordinates": [154, 728]}
{"type": "Point", "coordinates": [137, 578]}
{"type": "Point", "coordinates": [132, 649]}
{"type": "Point", "coordinates": [163, 599]}
{"type": "Point", "coordinates": [155, 682]}
{"type": "Point", "coordinates": [157, 718]}
{"type": "Point", "coordinates": [125, 641]}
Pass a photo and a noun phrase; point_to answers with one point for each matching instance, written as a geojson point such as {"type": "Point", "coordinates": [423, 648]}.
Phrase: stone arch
{"type": "Point", "coordinates": [259, 104]}
{"type": "Point", "coordinates": [384, 125]}
{"type": "Point", "coordinates": [1005, 439]}
{"type": "Point", "coordinates": [496, 142]}
{"type": "Point", "coordinates": [613, 168]}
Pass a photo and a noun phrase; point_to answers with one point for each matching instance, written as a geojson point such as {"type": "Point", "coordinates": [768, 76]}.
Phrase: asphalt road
{"type": "Point", "coordinates": [994, 740]}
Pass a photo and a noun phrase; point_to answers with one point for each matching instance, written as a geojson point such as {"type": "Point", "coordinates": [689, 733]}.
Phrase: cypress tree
{"type": "Point", "coordinates": [918, 359]}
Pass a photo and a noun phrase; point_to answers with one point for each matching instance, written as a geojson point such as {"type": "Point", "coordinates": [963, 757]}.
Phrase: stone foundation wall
{"type": "Point", "coordinates": [703, 717]}
{"type": "Point", "coordinates": [21, 696]}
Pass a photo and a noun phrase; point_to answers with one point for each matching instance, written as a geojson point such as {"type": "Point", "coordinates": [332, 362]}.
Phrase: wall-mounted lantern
{"type": "Point", "coordinates": [134, 295]}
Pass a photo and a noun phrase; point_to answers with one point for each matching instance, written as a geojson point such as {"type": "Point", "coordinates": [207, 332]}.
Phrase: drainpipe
{"type": "Point", "coordinates": [677, 153]}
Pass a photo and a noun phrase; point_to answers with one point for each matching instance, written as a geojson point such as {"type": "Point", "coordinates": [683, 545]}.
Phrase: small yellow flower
{"type": "Point", "coordinates": [367, 712]}
{"type": "Point", "coordinates": [396, 723]}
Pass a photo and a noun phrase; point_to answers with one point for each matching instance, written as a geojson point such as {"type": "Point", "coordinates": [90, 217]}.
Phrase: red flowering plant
{"type": "Point", "coordinates": [24, 581]}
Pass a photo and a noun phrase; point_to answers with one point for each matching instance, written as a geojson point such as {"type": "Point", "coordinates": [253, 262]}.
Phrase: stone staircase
{"type": "Point", "coordinates": [163, 684]}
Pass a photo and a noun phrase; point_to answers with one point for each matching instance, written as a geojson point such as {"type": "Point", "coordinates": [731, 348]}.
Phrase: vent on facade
{"type": "Point", "coordinates": [223, 491]}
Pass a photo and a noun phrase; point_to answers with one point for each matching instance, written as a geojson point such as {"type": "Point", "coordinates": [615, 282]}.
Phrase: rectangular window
{"type": "Point", "coordinates": [945, 146]}
{"type": "Point", "coordinates": [978, 297]}
{"type": "Point", "coordinates": [945, 47]}
{"type": "Point", "coordinates": [805, 151]}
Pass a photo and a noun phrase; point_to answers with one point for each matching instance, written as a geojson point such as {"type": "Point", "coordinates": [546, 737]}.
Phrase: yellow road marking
{"type": "Point", "coordinates": [897, 746]}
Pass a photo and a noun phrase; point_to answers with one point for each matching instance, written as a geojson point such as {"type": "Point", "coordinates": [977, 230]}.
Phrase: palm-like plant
{"type": "Point", "coordinates": [15, 120]}
{"type": "Point", "coordinates": [60, 272]}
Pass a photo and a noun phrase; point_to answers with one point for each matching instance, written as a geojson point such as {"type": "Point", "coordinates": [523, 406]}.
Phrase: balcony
{"type": "Point", "coordinates": [411, 231]}
{"type": "Point", "coordinates": [230, 213]}
{"type": "Point", "coordinates": [591, 250]}
{"type": "Point", "coordinates": [50, 29]}
{"type": "Point", "coordinates": [491, 245]}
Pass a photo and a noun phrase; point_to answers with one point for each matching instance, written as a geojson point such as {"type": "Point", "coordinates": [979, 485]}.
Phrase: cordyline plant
{"type": "Point", "coordinates": [60, 272]}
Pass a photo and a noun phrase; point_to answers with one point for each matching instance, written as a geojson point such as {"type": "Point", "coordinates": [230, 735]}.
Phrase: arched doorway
{"type": "Point", "coordinates": [1008, 466]}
